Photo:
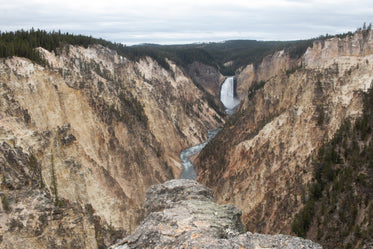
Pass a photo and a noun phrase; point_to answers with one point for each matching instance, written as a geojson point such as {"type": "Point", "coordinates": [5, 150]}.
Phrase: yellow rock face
{"type": "Point", "coordinates": [102, 128]}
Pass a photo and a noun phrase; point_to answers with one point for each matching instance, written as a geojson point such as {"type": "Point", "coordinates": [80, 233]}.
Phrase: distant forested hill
{"type": "Point", "coordinates": [226, 56]}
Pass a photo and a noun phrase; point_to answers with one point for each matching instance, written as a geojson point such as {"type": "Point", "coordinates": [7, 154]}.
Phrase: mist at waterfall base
{"type": "Point", "coordinates": [227, 96]}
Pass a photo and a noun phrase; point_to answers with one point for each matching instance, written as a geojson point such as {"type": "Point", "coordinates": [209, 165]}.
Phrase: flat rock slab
{"type": "Point", "coordinates": [182, 214]}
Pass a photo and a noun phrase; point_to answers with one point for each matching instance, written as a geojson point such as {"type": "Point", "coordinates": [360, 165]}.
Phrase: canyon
{"type": "Point", "coordinates": [90, 141]}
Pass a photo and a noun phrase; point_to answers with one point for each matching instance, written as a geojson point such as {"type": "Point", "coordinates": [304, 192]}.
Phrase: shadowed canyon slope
{"type": "Point", "coordinates": [85, 137]}
{"type": "Point", "coordinates": [262, 160]}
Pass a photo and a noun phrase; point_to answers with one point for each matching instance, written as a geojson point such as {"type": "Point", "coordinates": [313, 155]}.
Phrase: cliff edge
{"type": "Point", "coordinates": [182, 214]}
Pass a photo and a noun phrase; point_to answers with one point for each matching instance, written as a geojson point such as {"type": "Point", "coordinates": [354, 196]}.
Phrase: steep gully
{"type": "Point", "coordinates": [230, 102]}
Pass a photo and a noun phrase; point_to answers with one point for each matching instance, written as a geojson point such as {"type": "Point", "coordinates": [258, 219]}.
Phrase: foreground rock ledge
{"type": "Point", "coordinates": [182, 214]}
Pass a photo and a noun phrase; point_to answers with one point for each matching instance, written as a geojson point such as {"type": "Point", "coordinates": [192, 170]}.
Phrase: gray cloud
{"type": "Point", "coordinates": [188, 21]}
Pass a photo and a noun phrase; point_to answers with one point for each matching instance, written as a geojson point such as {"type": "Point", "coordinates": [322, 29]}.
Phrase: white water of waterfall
{"type": "Point", "coordinates": [227, 96]}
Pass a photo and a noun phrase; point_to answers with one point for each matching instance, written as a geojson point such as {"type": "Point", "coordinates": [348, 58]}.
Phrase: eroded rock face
{"type": "Point", "coordinates": [207, 76]}
{"type": "Point", "coordinates": [31, 217]}
{"type": "Point", "coordinates": [183, 215]}
{"type": "Point", "coordinates": [100, 128]}
{"type": "Point", "coordinates": [271, 66]}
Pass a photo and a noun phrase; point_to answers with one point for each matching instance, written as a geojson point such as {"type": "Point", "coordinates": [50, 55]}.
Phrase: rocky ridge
{"type": "Point", "coordinates": [182, 214]}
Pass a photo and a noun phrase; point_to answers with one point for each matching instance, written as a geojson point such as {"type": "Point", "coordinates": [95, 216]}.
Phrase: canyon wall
{"type": "Point", "coordinates": [262, 160]}
{"type": "Point", "coordinates": [94, 131]}
{"type": "Point", "coordinates": [272, 65]}
{"type": "Point", "coordinates": [207, 76]}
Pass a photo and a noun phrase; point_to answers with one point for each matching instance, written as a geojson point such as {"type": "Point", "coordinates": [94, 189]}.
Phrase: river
{"type": "Point", "coordinates": [188, 167]}
{"type": "Point", "coordinates": [230, 102]}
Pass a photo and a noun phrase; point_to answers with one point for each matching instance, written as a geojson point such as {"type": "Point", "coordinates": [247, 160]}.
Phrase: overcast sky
{"type": "Point", "coordinates": [187, 21]}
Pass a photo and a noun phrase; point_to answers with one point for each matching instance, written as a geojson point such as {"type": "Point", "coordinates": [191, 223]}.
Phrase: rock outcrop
{"type": "Point", "coordinates": [261, 161]}
{"type": "Point", "coordinates": [182, 214]}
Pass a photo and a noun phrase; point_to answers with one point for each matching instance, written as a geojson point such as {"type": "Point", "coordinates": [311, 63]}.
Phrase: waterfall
{"type": "Point", "coordinates": [227, 96]}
